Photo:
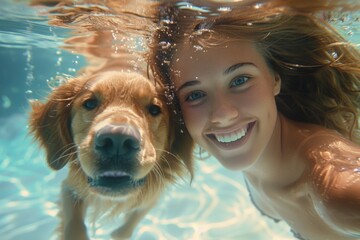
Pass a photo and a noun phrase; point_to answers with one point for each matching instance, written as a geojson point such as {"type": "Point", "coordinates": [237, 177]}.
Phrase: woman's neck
{"type": "Point", "coordinates": [275, 164]}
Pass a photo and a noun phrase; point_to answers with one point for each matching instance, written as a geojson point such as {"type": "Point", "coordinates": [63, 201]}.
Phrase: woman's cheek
{"type": "Point", "coordinates": [255, 98]}
{"type": "Point", "coordinates": [193, 118]}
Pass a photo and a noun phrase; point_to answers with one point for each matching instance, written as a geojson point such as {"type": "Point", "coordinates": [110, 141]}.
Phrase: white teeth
{"type": "Point", "coordinates": [227, 138]}
{"type": "Point", "coordinates": [113, 174]}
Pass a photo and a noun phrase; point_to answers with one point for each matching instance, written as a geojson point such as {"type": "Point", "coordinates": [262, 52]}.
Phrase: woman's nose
{"type": "Point", "coordinates": [224, 110]}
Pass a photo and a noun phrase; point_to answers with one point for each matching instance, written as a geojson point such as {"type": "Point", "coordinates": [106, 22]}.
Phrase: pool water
{"type": "Point", "coordinates": [215, 206]}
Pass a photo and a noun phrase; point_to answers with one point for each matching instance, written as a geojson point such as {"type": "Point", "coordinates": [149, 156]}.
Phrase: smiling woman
{"type": "Point", "coordinates": [271, 89]}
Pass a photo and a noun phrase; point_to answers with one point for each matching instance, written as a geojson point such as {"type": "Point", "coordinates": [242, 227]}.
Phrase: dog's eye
{"type": "Point", "coordinates": [154, 110]}
{"type": "Point", "coordinates": [90, 104]}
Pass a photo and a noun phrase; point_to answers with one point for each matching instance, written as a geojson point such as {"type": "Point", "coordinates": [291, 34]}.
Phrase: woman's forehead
{"type": "Point", "coordinates": [191, 51]}
{"type": "Point", "coordinates": [191, 60]}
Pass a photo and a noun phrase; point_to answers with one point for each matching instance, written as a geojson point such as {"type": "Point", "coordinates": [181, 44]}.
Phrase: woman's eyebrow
{"type": "Point", "coordinates": [236, 66]}
{"type": "Point", "coordinates": [229, 70]}
{"type": "Point", "coordinates": [188, 84]}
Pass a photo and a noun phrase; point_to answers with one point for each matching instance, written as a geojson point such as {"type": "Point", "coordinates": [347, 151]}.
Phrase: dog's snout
{"type": "Point", "coordinates": [122, 141]}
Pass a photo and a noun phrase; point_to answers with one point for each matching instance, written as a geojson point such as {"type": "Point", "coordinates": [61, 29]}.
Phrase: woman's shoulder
{"type": "Point", "coordinates": [334, 180]}
{"type": "Point", "coordinates": [314, 139]}
{"type": "Point", "coordinates": [333, 163]}
{"type": "Point", "coordinates": [320, 147]}
{"type": "Point", "coordinates": [332, 172]}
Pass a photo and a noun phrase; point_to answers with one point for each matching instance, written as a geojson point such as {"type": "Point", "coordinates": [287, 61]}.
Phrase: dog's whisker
{"type": "Point", "coordinates": [69, 152]}
{"type": "Point", "coordinates": [161, 150]}
{"type": "Point", "coordinates": [160, 175]}
{"type": "Point", "coordinates": [66, 148]}
{"type": "Point", "coordinates": [157, 172]}
{"type": "Point", "coordinates": [169, 153]}
{"type": "Point", "coordinates": [165, 160]}
{"type": "Point", "coordinates": [75, 162]}
{"type": "Point", "coordinates": [66, 152]}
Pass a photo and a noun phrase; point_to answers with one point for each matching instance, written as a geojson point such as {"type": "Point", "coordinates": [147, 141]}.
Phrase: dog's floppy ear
{"type": "Point", "coordinates": [50, 124]}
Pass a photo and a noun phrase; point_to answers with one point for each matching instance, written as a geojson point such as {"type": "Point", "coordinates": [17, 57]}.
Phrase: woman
{"type": "Point", "coordinates": [273, 91]}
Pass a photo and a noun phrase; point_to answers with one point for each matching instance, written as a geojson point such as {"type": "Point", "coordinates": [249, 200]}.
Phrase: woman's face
{"type": "Point", "coordinates": [226, 95]}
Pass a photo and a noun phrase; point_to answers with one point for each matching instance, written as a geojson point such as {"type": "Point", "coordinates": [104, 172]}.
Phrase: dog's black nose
{"type": "Point", "coordinates": [120, 141]}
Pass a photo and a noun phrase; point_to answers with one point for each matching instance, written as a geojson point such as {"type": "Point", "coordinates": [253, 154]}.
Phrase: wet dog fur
{"type": "Point", "coordinates": [112, 129]}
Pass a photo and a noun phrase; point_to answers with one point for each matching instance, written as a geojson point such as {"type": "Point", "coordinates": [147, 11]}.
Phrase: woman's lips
{"type": "Point", "coordinates": [233, 139]}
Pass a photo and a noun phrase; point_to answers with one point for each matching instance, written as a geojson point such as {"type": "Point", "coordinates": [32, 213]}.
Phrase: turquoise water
{"type": "Point", "coordinates": [215, 206]}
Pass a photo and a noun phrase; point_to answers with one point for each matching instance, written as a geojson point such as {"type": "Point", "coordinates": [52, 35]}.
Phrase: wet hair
{"type": "Point", "coordinates": [319, 69]}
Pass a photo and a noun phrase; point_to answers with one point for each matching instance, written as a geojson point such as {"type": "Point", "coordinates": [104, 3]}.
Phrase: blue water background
{"type": "Point", "coordinates": [215, 206]}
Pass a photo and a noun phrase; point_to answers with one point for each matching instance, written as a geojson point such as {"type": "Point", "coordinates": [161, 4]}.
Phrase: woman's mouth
{"type": "Point", "coordinates": [232, 139]}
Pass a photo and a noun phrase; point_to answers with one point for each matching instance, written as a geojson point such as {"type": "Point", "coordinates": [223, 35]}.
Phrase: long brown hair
{"type": "Point", "coordinates": [319, 69]}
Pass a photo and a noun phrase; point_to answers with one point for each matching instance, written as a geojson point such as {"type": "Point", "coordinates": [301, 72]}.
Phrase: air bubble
{"type": "Point", "coordinates": [198, 48]}
{"type": "Point", "coordinates": [334, 55]}
{"type": "Point", "coordinates": [29, 67]}
{"type": "Point", "coordinates": [224, 9]}
{"type": "Point", "coordinates": [165, 45]}
{"type": "Point", "coordinates": [177, 73]}
{"type": "Point", "coordinates": [258, 5]}
{"type": "Point", "coordinates": [28, 93]}
{"type": "Point", "coordinates": [167, 21]}
{"type": "Point", "coordinates": [59, 61]}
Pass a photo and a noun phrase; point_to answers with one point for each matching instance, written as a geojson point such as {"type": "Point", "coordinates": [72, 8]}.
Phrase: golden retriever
{"type": "Point", "coordinates": [112, 129]}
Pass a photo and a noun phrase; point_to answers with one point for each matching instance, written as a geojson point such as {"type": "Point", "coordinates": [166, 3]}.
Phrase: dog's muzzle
{"type": "Point", "coordinates": [117, 148]}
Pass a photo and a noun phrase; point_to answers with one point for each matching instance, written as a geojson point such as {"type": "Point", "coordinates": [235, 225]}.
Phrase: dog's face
{"type": "Point", "coordinates": [119, 126]}
{"type": "Point", "coordinates": [113, 128]}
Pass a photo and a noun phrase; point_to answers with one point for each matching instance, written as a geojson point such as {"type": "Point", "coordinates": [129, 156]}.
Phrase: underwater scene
{"type": "Point", "coordinates": [215, 205]}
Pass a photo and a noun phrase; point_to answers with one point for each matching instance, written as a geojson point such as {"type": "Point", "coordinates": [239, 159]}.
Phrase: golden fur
{"type": "Point", "coordinates": [68, 126]}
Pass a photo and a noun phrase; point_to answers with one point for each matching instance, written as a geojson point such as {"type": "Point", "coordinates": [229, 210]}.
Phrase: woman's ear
{"type": "Point", "coordinates": [277, 84]}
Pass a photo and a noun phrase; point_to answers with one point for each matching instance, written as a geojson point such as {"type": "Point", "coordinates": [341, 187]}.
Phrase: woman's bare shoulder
{"type": "Point", "coordinates": [334, 179]}
{"type": "Point", "coordinates": [332, 172]}
{"type": "Point", "coordinates": [319, 144]}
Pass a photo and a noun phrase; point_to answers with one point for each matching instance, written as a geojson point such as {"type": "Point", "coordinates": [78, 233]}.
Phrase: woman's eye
{"type": "Point", "coordinates": [193, 96]}
{"type": "Point", "coordinates": [90, 104]}
{"type": "Point", "coordinates": [238, 81]}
